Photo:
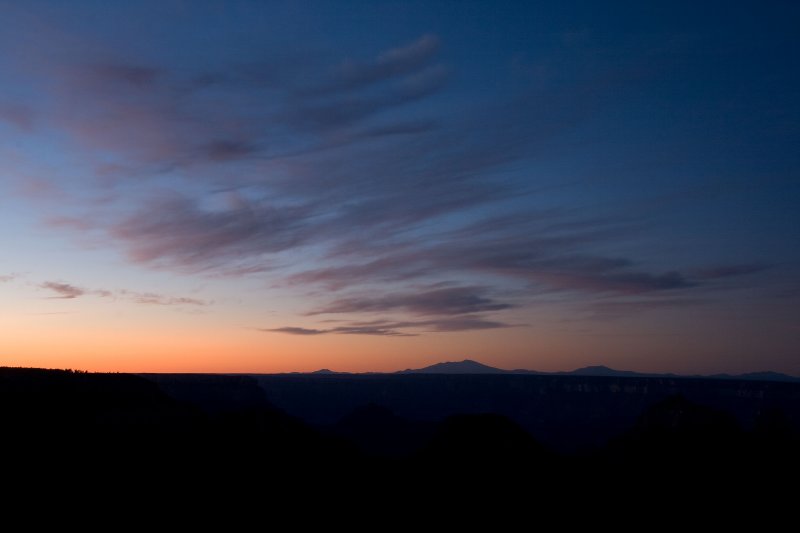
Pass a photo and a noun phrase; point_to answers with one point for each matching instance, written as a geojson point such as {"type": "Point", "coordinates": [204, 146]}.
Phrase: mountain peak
{"type": "Point", "coordinates": [467, 366]}
{"type": "Point", "coordinates": [600, 370]}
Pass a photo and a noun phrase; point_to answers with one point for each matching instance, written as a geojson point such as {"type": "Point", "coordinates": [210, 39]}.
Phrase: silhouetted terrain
{"type": "Point", "coordinates": [426, 433]}
{"type": "Point", "coordinates": [567, 413]}
{"type": "Point", "coordinates": [121, 432]}
{"type": "Point", "coordinates": [468, 366]}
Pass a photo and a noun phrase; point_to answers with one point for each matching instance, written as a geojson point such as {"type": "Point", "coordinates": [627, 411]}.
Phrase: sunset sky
{"type": "Point", "coordinates": [285, 186]}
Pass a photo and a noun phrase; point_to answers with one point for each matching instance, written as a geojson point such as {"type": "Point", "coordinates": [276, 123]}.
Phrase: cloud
{"type": "Point", "coordinates": [382, 181]}
{"type": "Point", "coordinates": [175, 232]}
{"type": "Point", "coordinates": [612, 282]}
{"type": "Point", "coordinates": [347, 110]}
{"type": "Point", "coordinates": [228, 149]}
{"type": "Point", "coordinates": [153, 117]}
{"type": "Point", "coordinates": [369, 330]}
{"type": "Point", "coordinates": [17, 115]}
{"type": "Point", "coordinates": [610, 310]}
{"type": "Point", "coordinates": [730, 271]}
{"type": "Point", "coordinates": [150, 298]}
{"type": "Point", "coordinates": [445, 301]}
{"type": "Point", "coordinates": [396, 62]}
{"type": "Point", "coordinates": [6, 278]}
{"type": "Point", "coordinates": [337, 178]}
{"type": "Point", "coordinates": [540, 259]}
{"type": "Point", "coordinates": [391, 328]}
{"type": "Point", "coordinates": [342, 330]}
{"type": "Point", "coordinates": [63, 290]}
{"type": "Point", "coordinates": [69, 291]}
{"type": "Point", "coordinates": [297, 331]}
{"type": "Point", "coordinates": [140, 77]}
{"type": "Point", "coordinates": [464, 323]}
{"type": "Point", "coordinates": [398, 128]}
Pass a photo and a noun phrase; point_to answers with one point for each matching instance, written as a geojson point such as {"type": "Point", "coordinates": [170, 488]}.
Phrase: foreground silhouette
{"type": "Point", "coordinates": [195, 434]}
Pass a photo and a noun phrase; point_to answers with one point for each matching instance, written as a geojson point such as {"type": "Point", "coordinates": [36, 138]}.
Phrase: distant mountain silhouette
{"type": "Point", "coordinates": [604, 371]}
{"type": "Point", "coordinates": [326, 371]}
{"type": "Point", "coordinates": [467, 366]}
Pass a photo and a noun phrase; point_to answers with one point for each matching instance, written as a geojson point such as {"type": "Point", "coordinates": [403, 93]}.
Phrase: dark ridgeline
{"type": "Point", "coordinates": [568, 413]}
{"type": "Point", "coordinates": [481, 434]}
{"type": "Point", "coordinates": [111, 434]}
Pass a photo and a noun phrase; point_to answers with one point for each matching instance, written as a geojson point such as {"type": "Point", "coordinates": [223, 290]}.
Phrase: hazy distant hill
{"type": "Point", "coordinates": [605, 371]}
{"type": "Point", "coordinates": [326, 371]}
{"type": "Point", "coordinates": [468, 366]}
{"type": "Point", "coordinates": [565, 411]}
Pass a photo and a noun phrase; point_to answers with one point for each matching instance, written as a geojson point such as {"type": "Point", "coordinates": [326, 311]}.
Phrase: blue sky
{"type": "Point", "coordinates": [530, 184]}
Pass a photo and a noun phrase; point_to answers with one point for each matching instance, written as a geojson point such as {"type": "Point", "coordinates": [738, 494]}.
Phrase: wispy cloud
{"type": "Point", "coordinates": [342, 179]}
{"type": "Point", "coordinates": [393, 328]}
{"type": "Point", "coordinates": [611, 310]}
{"type": "Point", "coordinates": [68, 291]}
{"type": "Point", "coordinates": [401, 61]}
{"type": "Point", "coordinates": [175, 232]}
{"type": "Point", "coordinates": [17, 115]}
{"type": "Point", "coordinates": [297, 331]}
{"type": "Point", "coordinates": [730, 271]}
{"type": "Point", "coordinates": [342, 330]}
{"type": "Point", "coordinates": [151, 298]}
{"type": "Point", "coordinates": [444, 301]}
{"type": "Point", "coordinates": [63, 290]}
{"type": "Point", "coordinates": [139, 77]}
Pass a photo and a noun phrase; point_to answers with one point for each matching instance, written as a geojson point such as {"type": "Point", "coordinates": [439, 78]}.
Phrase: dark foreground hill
{"type": "Point", "coordinates": [125, 432]}
{"type": "Point", "coordinates": [197, 437]}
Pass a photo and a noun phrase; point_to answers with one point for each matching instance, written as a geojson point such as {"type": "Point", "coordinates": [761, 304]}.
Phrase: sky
{"type": "Point", "coordinates": [255, 186]}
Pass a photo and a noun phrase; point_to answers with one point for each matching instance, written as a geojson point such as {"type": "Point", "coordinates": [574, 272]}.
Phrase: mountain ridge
{"type": "Point", "coordinates": [470, 366]}
{"type": "Point", "coordinates": [467, 366]}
